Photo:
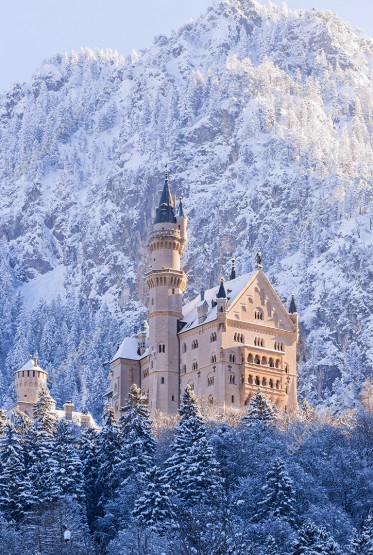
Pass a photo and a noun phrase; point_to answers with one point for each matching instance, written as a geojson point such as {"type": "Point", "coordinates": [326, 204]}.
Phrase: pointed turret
{"type": "Point", "coordinates": [180, 210]}
{"type": "Point", "coordinates": [221, 293]}
{"type": "Point", "coordinates": [292, 307]}
{"type": "Point", "coordinates": [259, 260]}
{"type": "Point", "coordinates": [233, 270]}
{"type": "Point", "coordinates": [165, 211]}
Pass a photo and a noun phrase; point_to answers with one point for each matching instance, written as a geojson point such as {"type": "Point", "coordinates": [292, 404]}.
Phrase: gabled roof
{"type": "Point", "coordinates": [129, 349]}
{"type": "Point", "coordinates": [234, 286]}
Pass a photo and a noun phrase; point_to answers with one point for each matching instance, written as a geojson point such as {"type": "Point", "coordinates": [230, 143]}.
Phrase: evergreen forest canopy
{"type": "Point", "coordinates": [263, 486]}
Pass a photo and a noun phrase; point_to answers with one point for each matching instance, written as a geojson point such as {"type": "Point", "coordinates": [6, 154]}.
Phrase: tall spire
{"type": "Point", "coordinates": [221, 293]}
{"type": "Point", "coordinates": [165, 211]}
{"type": "Point", "coordinates": [259, 260]}
{"type": "Point", "coordinates": [180, 210]}
{"type": "Point", "coordinates": [233, 270]}
{"type": "Point", "coordinates": [292, 307]}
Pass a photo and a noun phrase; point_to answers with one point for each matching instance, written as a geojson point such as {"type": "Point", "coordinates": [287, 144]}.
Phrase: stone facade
{"type": "Point", "coordinates": [227, 343]}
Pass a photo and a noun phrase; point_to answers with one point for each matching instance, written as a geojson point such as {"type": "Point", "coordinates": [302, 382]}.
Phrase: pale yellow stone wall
{"type": "Point", "coordinates": [28, 384]}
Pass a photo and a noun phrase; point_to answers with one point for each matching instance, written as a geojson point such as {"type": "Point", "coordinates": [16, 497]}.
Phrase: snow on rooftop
{"type": "Point", "coordinates": [129, 348]}
{"type": "Point", "coordinates": [234, 286]}
{"type": "Point", "coordinates": [30, 365]}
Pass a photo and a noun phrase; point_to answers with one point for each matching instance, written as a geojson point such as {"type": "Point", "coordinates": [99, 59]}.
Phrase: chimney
{"type": "Point", "coordinates": [68, 408]}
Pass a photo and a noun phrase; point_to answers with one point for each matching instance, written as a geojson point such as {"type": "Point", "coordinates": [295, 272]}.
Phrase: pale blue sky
{"type": "Point", "coordinates": [32, 30]}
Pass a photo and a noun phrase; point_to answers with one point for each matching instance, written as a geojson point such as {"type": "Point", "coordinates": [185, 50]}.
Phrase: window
{"type": "Point", "coordinates": [250, 379]}
{"type": "Point", "coordinates": [257, 380]}
{"type": "Point", "coordinates": [258, 342]}
{"type": "Point", "coordinates": [232, 379]}
{"type": "Point", "coordinates": [210, 380]}
{"type": "Point", "coordinates": [184, 348]}
{"type": "Point", "coordinates": [258, 314]}
{"type": "Point", "coordinates": [211, 399]}
{"type": "Point", "coordinates": [194, 344]}
{"type": "Point", "coordinates": [250, 358]}
{"type": "Point", "coordinates": [271, 383]}
{"type": "Point", "coordinates": [257, 360]}
{"type": "Point", "coordinates": [195, 365]}
{"type": "Point", "coordinates": [213, 359]}
{"type": "Point", "coordinates": [286, 368]}
{"type": "Point", "coordinates": [232, 358]}
{"type": "Point", "coordinates": [277, 384]}
{"type": "Point", "coordinates": [213, 337]}
{"type": "Point", "coordinates": [279, 346]}
{"type": "Point", "coordinates": [232, 398]}
{"type": "Point", "coordinates": [162, 380]}
{"type": "Point", "coordinates": [271, 363]}
{"type": "Point", "coordinates": [161, 348]}
{"type": "Point", "coordinates": [264, 382]}
{"type": "Point", "coordinates": [172, 397]}
{"type": "Point", "coordinates": [183, 369]}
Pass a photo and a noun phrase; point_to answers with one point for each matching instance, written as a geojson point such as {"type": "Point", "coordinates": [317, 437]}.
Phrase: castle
{"type": "Point", "coordinates": [227, 343]}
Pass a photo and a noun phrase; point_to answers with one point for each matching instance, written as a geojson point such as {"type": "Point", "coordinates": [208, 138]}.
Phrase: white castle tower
{"type": "Point", "coordinates": [28, 381]}
{"type": "Point", "coordinates": [166, 282]}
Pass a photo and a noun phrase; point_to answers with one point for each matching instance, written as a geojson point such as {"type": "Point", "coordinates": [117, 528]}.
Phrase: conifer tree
{"type": "Point", "coordinates": [137, 441]}
{"type": "Point", "coordinates": [2, 421]}
{"type": "Point", "coordinates": [88, 455]}
{"type": "Point", "coordinates": [362, 544]}
{"type": "Point", "coordinates": [192, 471]}
{"type": "Point", "coordinates": [260, 411]}
{"type": "Point", "coordinates": [15, 487]}
{"type": "Point", "coordinates": [278, 495]}
{"type": "Point", "coordinates": [314, 540]}
{"type": "Point", "coordinates": [43, 411]}
{"type": "Point", "coordinates": [153, 509]}
{"type": "Point", "coordinates": [68, 475]}
{"type": "Point", "coordinates": [108, 455]}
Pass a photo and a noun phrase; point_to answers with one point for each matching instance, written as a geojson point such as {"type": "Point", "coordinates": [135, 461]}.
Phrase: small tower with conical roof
{"type": "Point", "coordinates": [166, 282]}
{"type": "Point", "coordinates": [29, 380]}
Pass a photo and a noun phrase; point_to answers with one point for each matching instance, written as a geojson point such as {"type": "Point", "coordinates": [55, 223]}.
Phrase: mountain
{"type": "Point", "coordinates": [264, 117]}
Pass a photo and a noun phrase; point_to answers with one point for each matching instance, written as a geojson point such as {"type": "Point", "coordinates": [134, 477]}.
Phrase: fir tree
{"type": "Point", "coordinates": [277, 494]}
{"type": "Point", "coordinates": [153, 509]}
{"type": "Point", "coordinates": [314, 540]}
{"type": "Point", "coordinates": [192, 471]}
{"type": "Point", "coordinates": [43, 411]}
{"type": "Point", "coordinates": [68, 475]}
{"type": "Point", "coordinates": [137, 441]}
{"type": "Point", "coordinates": [15, 487]}
{"type": "Point", "coordinates": [260, 412]}
{"type": "Point", "coordinates": [88, 455]}
{"type": "Point", "coordinates": [362, 544]}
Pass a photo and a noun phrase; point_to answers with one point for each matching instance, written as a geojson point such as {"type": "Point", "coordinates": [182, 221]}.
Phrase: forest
{"type": "Point", "coordinates": [205, 482]}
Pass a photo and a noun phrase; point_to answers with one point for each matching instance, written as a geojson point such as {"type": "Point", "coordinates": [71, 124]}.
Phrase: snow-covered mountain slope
{"type": "Point", "coordinates": [264, 117]}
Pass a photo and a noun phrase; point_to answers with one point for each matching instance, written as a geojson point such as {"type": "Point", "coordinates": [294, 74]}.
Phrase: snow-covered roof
{"type": "Point", "coordinates": [129, 349]}
{"type": "Point", "coordinates": [76, 417]}
{"type": "Point", "coordinates": [30, 365]}
{"type": "Point", "coordinates": [234, 286]}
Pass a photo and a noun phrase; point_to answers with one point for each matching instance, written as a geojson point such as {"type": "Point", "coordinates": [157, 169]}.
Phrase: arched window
{"type": "Point", "coordinates": [221, 309]}
{"type": "Point", "coordinates": [257, 380]}
{"type": "Point", "coordinates": [161, 348]}
{"type": "Point", "coordinates": [277, 363]}
{"type": "Point", "coordinates": [278, 384]}
{"type": "Point", "coordinates": [258, 314]}
{"type": "Point", "coordinates": [232, 398]}
{"type": "Point", "coordinates": [250, 358]}
{"type": "Point", "coordinates": [210, 380]}
{"type": "Point", "coordinates": [213, 337]}
{"type": "Point", "coordinates": [232, 358]}
{"type": "Point", "coordinates": [162, 380]}
{"type": "Point", "coordinates": [194, 344]}
{"type": "Point", "coordinates": [271, 363]}
{"type": "Point", "coordinates": [286, 368]}
{"type": "Point", "coordinates": [257, 360]}
{"type": "Point", "coordinates": [264, 382]}
{"type": "Point", "coordinates": [184, 349]}
{"type": "Point", "coordinates": [250, 379]}
{"type": "Point", "coordinates": [271, 383]}
{"type": "Point", "coordinates": [195, 365]}
{"type": "Point", "coordinates": [213, 359]}
{"type": "Point", "coordinates": [264, 361]}
{"type": "Point", "coordinates": [232, 379]}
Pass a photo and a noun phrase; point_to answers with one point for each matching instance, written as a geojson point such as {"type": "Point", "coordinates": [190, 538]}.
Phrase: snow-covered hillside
{"type": "Point", "coordinates": [264, 117]}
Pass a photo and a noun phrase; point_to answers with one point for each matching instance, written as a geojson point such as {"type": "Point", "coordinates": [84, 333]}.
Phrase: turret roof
{"type": "Point", "coordinates": [165, 211]}
{"type": "Point", "coordinates": [30, 365]}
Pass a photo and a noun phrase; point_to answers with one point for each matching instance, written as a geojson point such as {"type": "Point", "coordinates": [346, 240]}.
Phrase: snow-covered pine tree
{"type": "Point", "coordinates": [137, 441]}
{"type": "Point", "coordinates": [69, 474]}
{"type": "Point", "coordinates": [2, 421]}
{"type": "Point", "coordinates": [42, 411]}
{"type": "Point", "coordinates": [15, 488]}
{"type": "Point", "coordinates": [192, 471]}
{"type": "Point", "coordinates": [260, 412]}
{"type": "Point", "coordinates": [21, 423]}
{"type": "Point", "coordinates": [153, 509]}
{"type": "Point", "coordinates": [88, 455]}
{"type": "Point", "coordinates": [314, 540]}
{"type": "Point", "coordinates": [108, 456]}
{"type": "Point", "coordinates": [278, 496]}
{"type": "Point", "coordinates": [362, 544]}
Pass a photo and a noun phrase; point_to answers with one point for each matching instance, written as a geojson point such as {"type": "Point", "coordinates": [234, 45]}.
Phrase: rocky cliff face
{"type": "Point", "coordinates": [264, 117]}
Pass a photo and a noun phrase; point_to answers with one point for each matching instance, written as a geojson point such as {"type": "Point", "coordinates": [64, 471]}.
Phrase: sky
{"type": "Point", "coordinates": [32, 30]}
